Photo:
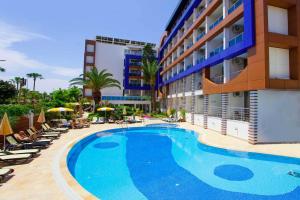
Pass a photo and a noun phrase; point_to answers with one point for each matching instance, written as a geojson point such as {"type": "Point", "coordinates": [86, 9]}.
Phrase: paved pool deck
{"type": "Point", "coordinates": [46, 176]}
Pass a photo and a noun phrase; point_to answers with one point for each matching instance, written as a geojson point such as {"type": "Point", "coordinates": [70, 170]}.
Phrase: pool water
{"type": "Point", "coordinates": [170, 163]}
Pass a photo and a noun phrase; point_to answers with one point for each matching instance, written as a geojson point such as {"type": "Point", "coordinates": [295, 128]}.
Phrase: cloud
{"type": "Point", "coordinates": [19, 64]}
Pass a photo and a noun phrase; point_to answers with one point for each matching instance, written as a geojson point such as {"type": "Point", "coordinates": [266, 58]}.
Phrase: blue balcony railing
{"type": "Point", "coordinates": [189, 66]}
{"type": "Point", "coordinates": [216, 51]}
{"type": "Point", "coordinates": [181, 52]}
{"type": "Point", "coordinates": [200, 35]}
{"type": "Point", "coordinates": [235, 6]}
{"type": "Point", "coordinates": [181, 70]}
{"type": "Point", "coordinates": [189, 45]}
{"type": "Point", "coordinates": [135, 63]}
{"type": "Point", "coordinates": [200, 60]}
{"type": "Point", "coordinates": [216, 23]}
{"type": "Point", "coordinates": [236, 40]}
{"type": "Point", "coordinates": [135, 73]}
{"type": "Point", "coordinates": [125, 98]}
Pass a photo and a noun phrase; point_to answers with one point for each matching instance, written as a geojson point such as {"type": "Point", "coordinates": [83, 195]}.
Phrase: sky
{"type": "Point", "coordinates": [47, 36]}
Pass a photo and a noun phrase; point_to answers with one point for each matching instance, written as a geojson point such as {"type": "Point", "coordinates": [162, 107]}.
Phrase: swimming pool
{"type": "Point", "coordinates": [170, 163]}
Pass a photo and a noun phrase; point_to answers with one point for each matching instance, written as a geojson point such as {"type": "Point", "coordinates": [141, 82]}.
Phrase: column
{"type": "Point", "coordinates": [226, 70]}
{"type": "Point", "coordinates": [224, 113]}
{"type": "Point", "coordinates": [205, 107]}
{"type": "Point", "coordinates": [193, 99]}
{"type": "Point", "coordinates": [253, 123]}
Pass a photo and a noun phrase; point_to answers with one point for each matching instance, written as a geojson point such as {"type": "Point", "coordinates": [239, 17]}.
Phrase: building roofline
{"type": "Point", "coordinates": [175, 13]}
{"type": "Point", "coordinates": [124, 42]}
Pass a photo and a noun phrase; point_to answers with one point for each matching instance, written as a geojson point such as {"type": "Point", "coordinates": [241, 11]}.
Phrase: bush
{"type": "Point", "coordinates": [7, 91]}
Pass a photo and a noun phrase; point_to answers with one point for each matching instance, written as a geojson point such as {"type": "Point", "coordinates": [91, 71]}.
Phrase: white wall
{"type": "Point", "coordinates": [188, 117]}
{"type": "Point", "coordinates": [279, 63]}
{"type": "Point", "coordinates": [278, 20]}
{"type": "Point", "coordinates": [278, 116]}
{"type": "Point", "coordinates": [214, 123]}
{"type": "Point", "coordinates": [199, 119]}
{"type": "Point", "coordinates": [237, 129]}
{"type": "Point", "coordinates": [111, 57]}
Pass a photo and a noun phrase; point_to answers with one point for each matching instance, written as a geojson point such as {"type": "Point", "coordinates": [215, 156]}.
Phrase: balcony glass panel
{"type": "Point", "coordinates": [216, 51]}
{"type": "Point", "coordinates": [200, 35]}
{"type": "Point", "coordinates": [235, 6]}
{"type": "Point", "coordinates": [216, 23]}
{"type": "Point", "coordinates": [236, 40]}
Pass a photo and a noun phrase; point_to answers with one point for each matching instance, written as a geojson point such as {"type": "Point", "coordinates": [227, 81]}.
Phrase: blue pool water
{"type": "Point", "coordinates": [170, 163]}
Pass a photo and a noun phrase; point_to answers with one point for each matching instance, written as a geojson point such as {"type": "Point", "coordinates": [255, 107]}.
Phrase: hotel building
{"type": "Point", "coordinates": [122, 58]}
{"type": "Point", "coordinates": [234, 66]}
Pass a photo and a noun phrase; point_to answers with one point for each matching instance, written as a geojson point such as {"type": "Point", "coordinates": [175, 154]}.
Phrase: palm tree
{"type": "Point", "coordinates": [96, 80]}
{"type": "Point", "coordinates": [2, 69]}
{"type": "Point", "coordinates": [17, 82]}
{"type": "Point", "coordinates": [150, 70]}
{"type": "Point", "coordinates": [34, 76]}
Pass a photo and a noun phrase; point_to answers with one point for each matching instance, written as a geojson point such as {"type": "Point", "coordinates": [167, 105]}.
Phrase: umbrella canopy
{"type": "Point", "coordinates": [106, 109]}
{"type": "Point", "coordinates": [41, 118]}
{"type": "Point", "coordinates": [5, 128]}
{"type": "Point", "coordinates": [60, 109]}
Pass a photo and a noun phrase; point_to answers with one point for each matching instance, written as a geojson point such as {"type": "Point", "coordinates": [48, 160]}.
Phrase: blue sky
{"type": "Point", "coordinates": [47, 36]}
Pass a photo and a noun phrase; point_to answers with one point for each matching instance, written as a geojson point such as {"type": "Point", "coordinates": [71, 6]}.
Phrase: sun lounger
{"type": "Point", "coordinates": [15, 158]}
{"type": "Point", "coordinates": [14, 144]}
{"type": "Point", "coordinates": [96, 120]}
{"type": "Point", "coordinates": [42, 132]}
{"type": "Point", "coordinates": [63, 130]}
{"type": "Point", "coordinates": [4, 173]}
{"type": "Point", "coordinates": [46, 137]}
{"type": "Point", "coordinates": [22, 151]}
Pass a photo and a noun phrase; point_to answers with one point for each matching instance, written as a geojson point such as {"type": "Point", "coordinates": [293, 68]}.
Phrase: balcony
{"type": "Point", "coordinates": [181, 70]}
{"type": "Point", "coordinates": [236, 40]}
{"type": "Point", "coordinates": [238, 113]}
{"type": "Point", "coordinates": [219, 79]}
{"type": "Point", "coordinates": [200, 60]}
{"type": "Point", "coordinates": [201, 35]}
{"type": "Point", "coordinates": [135, 73]}
{"type": "Point", "coordinates": [189, 66]}
{"type": "Point", "coordinates": [216, 51]}
{"type": "Point", "coordinates": [216, 23]}
{"type": "Point", "coordinates": [215, 111]}
{"type": "Point", "coordinates": [199, 13]}
{"type": "Point", "coordinates": [125, 98]}
{"type": "Point", "coordinates": [189, 45]}
{"type": "Point", "coordinates": [181, 52]}
{"type": "Point", "coordinates": [138, 64]}
{"type": "Point", "coordinates": [235, 6]}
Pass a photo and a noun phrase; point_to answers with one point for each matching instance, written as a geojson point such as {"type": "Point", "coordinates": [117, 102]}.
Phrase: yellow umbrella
{"type": "Point", "coordinates": [60, 109]}
{"type": "Point", "coordinates": [42, 118]}
{"type": "Point", "coordinates": [5, 128]}
{"type": "Point", "coordinates": [105, 109]}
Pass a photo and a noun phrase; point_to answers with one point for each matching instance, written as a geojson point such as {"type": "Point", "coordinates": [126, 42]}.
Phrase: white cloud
{"type": "Point", "coordinates": [19, 64]}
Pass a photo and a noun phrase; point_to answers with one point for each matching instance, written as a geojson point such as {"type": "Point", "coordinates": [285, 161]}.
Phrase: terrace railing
{"type": "Point", "coordinates": [237, 39]}
{"type": "Point", "coordinates": [216, 51]}
{"type": "Point", "coordinates": [213, 25]}
{"type": "Point", "coordinates": [215, 111]}
{"type": "Point", "coordinates": [235, 6]}
{"type": "Point", "coordinates": [238, 113]}
{"type": "Point", "coordinates": [201, 35]}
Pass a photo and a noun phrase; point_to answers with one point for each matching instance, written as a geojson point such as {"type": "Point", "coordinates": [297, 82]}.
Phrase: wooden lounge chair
{"type": "Point", "coordinates": [14, 144]}
{"type": "Point", "coordinates": [45, 138]}
{"type": "Point", "coordinates": [41, 132]}
{"type": "Point", "coordinates": [47, 128]}
{"type": "Point", "coordinates": [5, 173]}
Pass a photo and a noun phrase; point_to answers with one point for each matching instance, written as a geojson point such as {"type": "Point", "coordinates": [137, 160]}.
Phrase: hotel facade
{"type": "Point", "coordinates": [122, 58]}
{"type": "Point", "coordinates": [234, 66]}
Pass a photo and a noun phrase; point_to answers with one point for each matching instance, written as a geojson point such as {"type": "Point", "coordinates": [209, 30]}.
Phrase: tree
{"type": "Point", "coordinates": [7, 91]}
{"type": "Point", "coordinates": [2, 69]}
{"type": "Point", "coordinates": [17, 82]}
{"type": "Point", "coordinates": [150, 70]}
{"type": "Point", "coordinates": [34, 76]}
{"type": "Point", "coordinates": [148, 54]}
{"type": "Point", "coordinates": [97, 81]}
{"type": "Point", "coordinates": [74, 94]}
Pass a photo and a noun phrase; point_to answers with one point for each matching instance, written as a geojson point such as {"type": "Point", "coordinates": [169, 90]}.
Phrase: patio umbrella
{"type": "Point", "coordinates": [60, 109]}
{"type": "Point", "coordinates": [105, 109]}
{"type": "Point", "coordinates": [5, 128]}
{"type": "Point", "coordinates": [41, 118]}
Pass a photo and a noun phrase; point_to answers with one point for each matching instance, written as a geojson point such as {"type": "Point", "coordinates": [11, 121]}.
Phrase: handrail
{"type": "Point", "coordinates": [216, 22]}
{"type": "Point", "coordinates": [237, 39]}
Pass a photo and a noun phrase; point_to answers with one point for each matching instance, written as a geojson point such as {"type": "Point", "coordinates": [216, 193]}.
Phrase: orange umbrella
{"type": "Point", "coordinates": [5, 128]}
{"type": "Point", "coordinates": [41, 118]}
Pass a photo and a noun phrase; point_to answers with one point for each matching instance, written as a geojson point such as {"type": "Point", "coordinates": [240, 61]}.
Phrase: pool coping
{"type": "Point", "coordinates": [73, 189]}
